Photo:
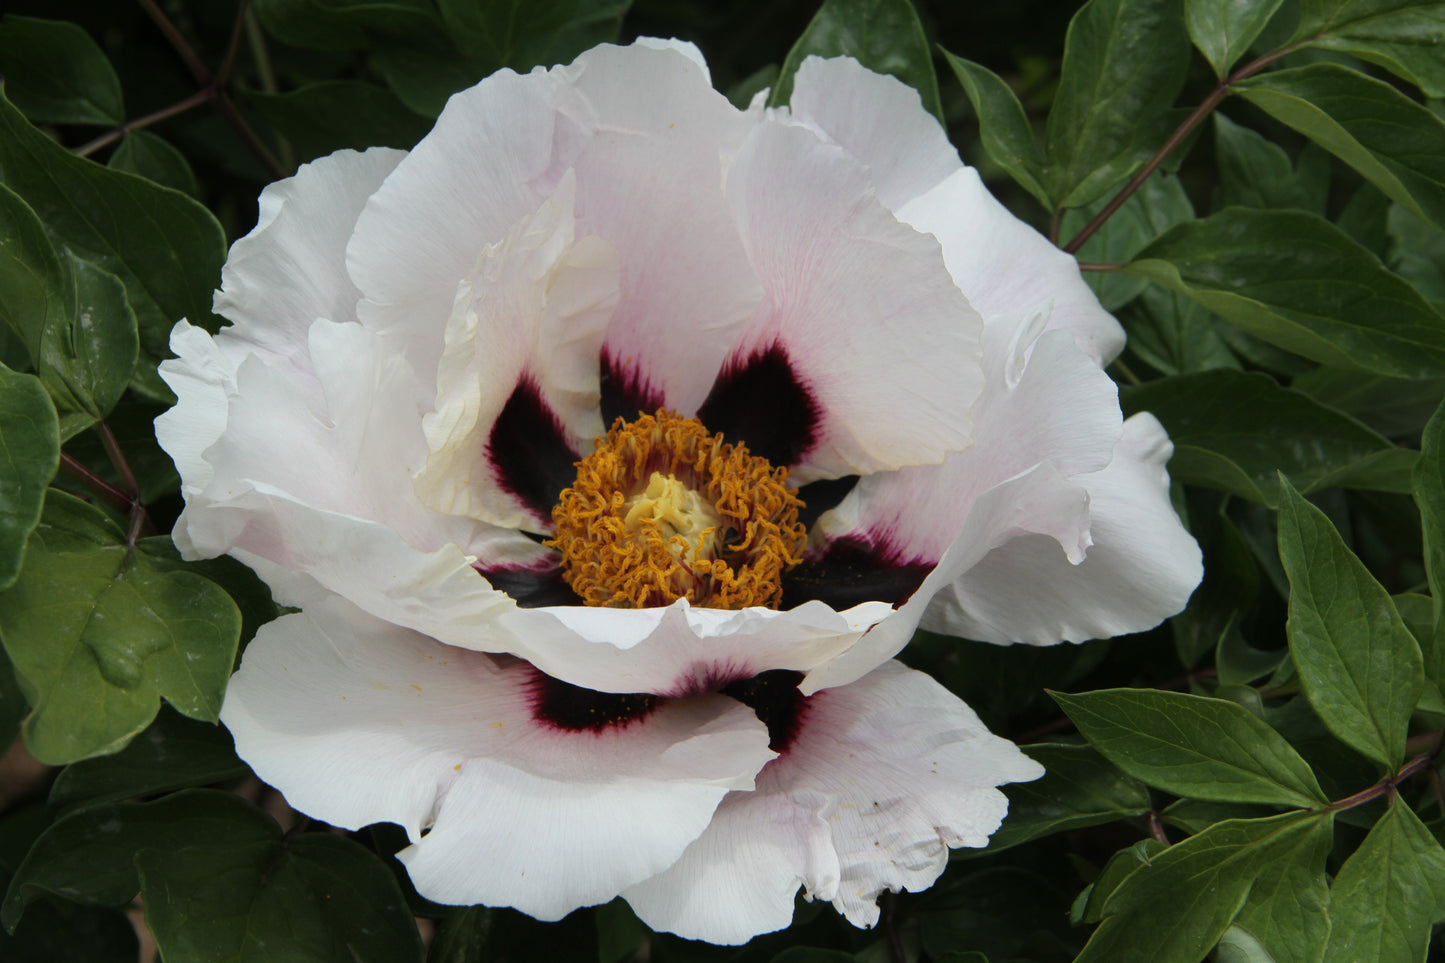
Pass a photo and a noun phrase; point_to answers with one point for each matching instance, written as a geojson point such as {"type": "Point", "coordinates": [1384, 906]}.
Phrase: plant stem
{"type": "Point", "coordinates": [1175, 139]}
{"type": "Point", "coordinates": [111, 136]}
{"type": "Point", "coordinates": [139, 520]}
{"type": "Point", "coordinates": [1386, 785]}
{"type": "Point", "coordinates": [118, 499]}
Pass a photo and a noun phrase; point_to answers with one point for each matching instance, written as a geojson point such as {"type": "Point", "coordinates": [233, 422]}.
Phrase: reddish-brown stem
{"type": "Point", "coordinates": [139, 520]}
{"type": "Point", "coordinates": [212, 84]}
{"type": "Point", "coordinates": [111, 136]}
{"type": "Point", "coordinates": [1175, 139]}
{"type": "Point", "coordinates": [1384, 786]}
{"type": "Point", "coordinates": [1156, 828]}
{"type": "Point", "coordinates": [118, 499]}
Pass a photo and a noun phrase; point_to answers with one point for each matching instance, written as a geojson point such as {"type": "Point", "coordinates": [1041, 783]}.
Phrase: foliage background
{"type": "Point", "coordinates": [1256, 780]}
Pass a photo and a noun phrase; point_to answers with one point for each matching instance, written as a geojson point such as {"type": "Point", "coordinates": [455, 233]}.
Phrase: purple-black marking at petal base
{"type": "Point", "coordinates": [571, 708]}
{"type": "Point", "coordinates": [761, 402]}
{"type": "Point", "coordinates": [851, 571]}
{"type": "Point", "coordinates": [774, 696]}
{"type": "Point", "coordinates": [530, 451]}
{"type": "Point", "coordinates": [530, 588]}
{"type": "Point", "coordinates": [624, 393]}
{"type": "Point", "coordinates": [819, 496]}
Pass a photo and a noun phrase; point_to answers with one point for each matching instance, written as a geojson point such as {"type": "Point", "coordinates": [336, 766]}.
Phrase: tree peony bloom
{"type": "Point", "coordinates": [612, 442]}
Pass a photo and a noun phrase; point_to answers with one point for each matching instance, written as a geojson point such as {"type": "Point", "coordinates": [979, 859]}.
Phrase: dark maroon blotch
{"type": "Point", "coordinates": [624, 394]}
{"type": "Point", "coordinates": [774, 696]}
{"type": "Point", "coordinates": [531, 588]}
{"type": "Point", "coordinates": [819, 496]}
{"type": "Point", "coordinates": [530, 451]}
{"type": "Point", "coordinates": [572, 708]}
{"type": "Point", "coordinates": [762, 403]}
{"type": "Point", "coordinates": [850, 571]}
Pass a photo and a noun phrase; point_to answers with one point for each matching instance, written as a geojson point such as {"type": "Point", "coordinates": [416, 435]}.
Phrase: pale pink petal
{"type": "Point", "coordinates": [878, 119]}
{"type": "Point", "coordinates": [1038, 502]}
{"type": "Point", "coordinates": [1057, 406]}
{"type": "Point", "coordinates": [1010, 272]}
{"type": "Point", "coordinates": [357, 722]}
{"type": "Point", "coordinates": [681, 648]}
{"type": "Point", "coordinates": [1141, 568]}
{"type": "Point", "coordinates": [873, 330]}
{"type": "Point", "coordinates": [880, 780]}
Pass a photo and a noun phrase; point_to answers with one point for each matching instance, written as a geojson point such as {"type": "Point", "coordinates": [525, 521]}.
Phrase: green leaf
{"type": "Point", "coordinates": [98, 633]}
{"type": "Point", "coordinates": [1007, 136]}
{"type": "Point", "coordinates": [146, 155]}
{"type": "Point", "coordinates": [1234, 431]}
{"type": "Point", "coordinates": [55, 930]}
{"type": "Point", "coordinates": [29, 458]}
{"type": "Point", "coordinates": [1393, 142]}
{"type": "Point", "coordinates": [1175, 335]}
{"type": "Point", "coordinates": [522, 34]}
{"type": "Point", "coordinates": [1429, 490]}
{"type": "Point", "coordinates": [1287, 909]}
{"type": "Point", "coordinates": [1302, 284]}
{"type": "Point", "coordinates": [56, 74]}
{"type": "Point", "coordinates": [1416, 251]}
{"type": "Point", "coordinates": [882, 35]}
{"type": "Point", "coordinates": [1124, 63]}
{"type": "Point", "coordinates": [173, 753]}
{"type": "Point", "coordinates": [1388, 893]}
{"type": "Point", "coordinates": [1359, 665]}
{"type": "Point", "coordinates": [1224, 29]}
{"type": "Point", "coordinates": [342, 24]}
{"type": "Point", "coordinates": [813, 954]}
{"type": "Point", "coordinates": [315, 897]}
{"type": "Point", "coordinates": [324, 117]}
{"type": "Point", "coordinates": [1395, 407]}
{"type": "Point", "coordinates": [1180, 905]}
{"type": "Point", "coordinates": [1078, 789]}
{"type": "Point", "coordinates": [86, 362]}
{"type": "Point", "coordinates": [165, 248]}
{"type": "Point", "coordinates": [1123, 864]}
{"type": "Point", "coordinates": [1003, 911]}
{"type": "Point", "coordinates": [1158, 204]}
{"type": "Point", "coordinates": [1193, 746]}
{"type": "Point", "coordinates": [33, 281]}
{"type": "Point", "coordinates": [1254, 172]}
{"type": "Point", "coordinates": [1403, 36]}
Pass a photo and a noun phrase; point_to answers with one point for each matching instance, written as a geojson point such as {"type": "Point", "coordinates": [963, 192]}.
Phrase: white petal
{"type": "Point", "coordinates": [682, 649]}
{"type": "Point", "coordinates": [883, 777]}
{"type": "Point", "coordinates": [1061, 409]}
{"type": "Point", "coordinates": [878, 119]}
{"type": "Point", "coordinates": [1038, 502]}
{"type": "Point", "coordinates": [1141, 568]}
{"type": "Point", "coordinates": [881, 340]}
{"type": "Point", "coordinates": [1009, 271]}
{"type": "Point", "coordinates": [357, 721]}
{"type": "Point", "coordinates": [313, 474]}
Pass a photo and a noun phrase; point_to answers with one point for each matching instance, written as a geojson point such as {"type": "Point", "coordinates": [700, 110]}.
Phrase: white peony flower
{"type": "Point", "coordinates": [847, 394]}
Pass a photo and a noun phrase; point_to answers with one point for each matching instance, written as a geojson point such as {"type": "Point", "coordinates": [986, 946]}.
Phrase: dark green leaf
{"type": "Point", "coordinates": [882, 35]}
{"type": "Point", "coordinates": [56, 74]}
{"type": "Point", "coordinates": [812, 954]}
{"type": "Point", "coordinates": [1078, 789]}
{"type": "Point", "coordinates": [1003, 911]}
{"type": "Point", "coordinates": [34, 287]}
{"type": "Point", "coordinates": [1254, 172]}
{"type": "Point", "coordinates": [166, 248]}
{"type": "Point", "coordinates": [343, 24]}
{"type": "Point", "coordinates": [1193, 746]}
{"type": "Point", "coordinates": [316, 897]}
{"type": "Point", "coordinates": [324, 117]}
{"type": "Point", "coordinates": [146, 155]}
{"type": "Point", "coordinates": [29, 457]}
{"type": "Point", "coordinates": [1230, 587]}
{"type": "Point", "coordinates": [1234, 430]}
{"type": "Point", "coordinates": [1179, 906]}
{"type": "Point", "coordinates": [99, 633]}
{"type": "Point", "coordinates": [1395, 407]}
{"type": "Point", "coordinates": [619, 932]}
{"type": "Point", "coordinates": [1287, 910]}
{"type": "Point", "coordinates": [1360, 666]}
{"type": "Point", "coordinates": [1158, 205]}
{"type": "Point", "coordinates": [423, 75]}
{"type": "Point", "coordinates": [1003, 126]}
{"type": "Point", "coordinates": [1403, 36]}
{"type": "Point", "coordinates": [1364, 217]}
{"type": "Point", "coordinates": [1388, 893]}
{"type": "Point", "coordinates": [1393, 142]}
{"type": "Point", "coordinates": [173, 753]}
{"type": "Point", "coordinates": [522, 35]}
{"type": "Point", "coordinates": [1124, 62]}
{"type": "Point", "coordinates": [1123, 864]}
{"type": "Point", "coordinates": [1175, 335]}
{"type": "Point", "coordinates": [1197, 815]}
{"type": "Point", "coordinates": [86, 362]}
{"type": "Point", "coordinates": [1416, 252]}
{"type": "Point", "coordinates": [1224, 29]}
{"type": "Point", "coordinates": [1299, 282]}
{"type": "Point", "coordinates": [1429, 485]}
{"type": "Point", "coordinates": [55, 931]}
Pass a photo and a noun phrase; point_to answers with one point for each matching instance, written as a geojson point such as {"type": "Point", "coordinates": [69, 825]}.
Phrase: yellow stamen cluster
{"type": "Point", "coordinates": [664, 510]}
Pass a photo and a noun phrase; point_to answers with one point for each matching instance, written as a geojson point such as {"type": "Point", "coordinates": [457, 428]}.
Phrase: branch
{"type": "Point", "coordinates": [111, 136]}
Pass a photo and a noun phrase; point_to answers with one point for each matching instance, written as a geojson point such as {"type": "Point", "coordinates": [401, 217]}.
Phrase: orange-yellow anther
{"type": "Point", "coordinates": [664, 510]}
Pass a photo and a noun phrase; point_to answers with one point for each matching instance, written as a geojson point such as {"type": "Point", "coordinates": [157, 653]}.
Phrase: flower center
{"type": "Point", "coordinates": [664, 510]}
